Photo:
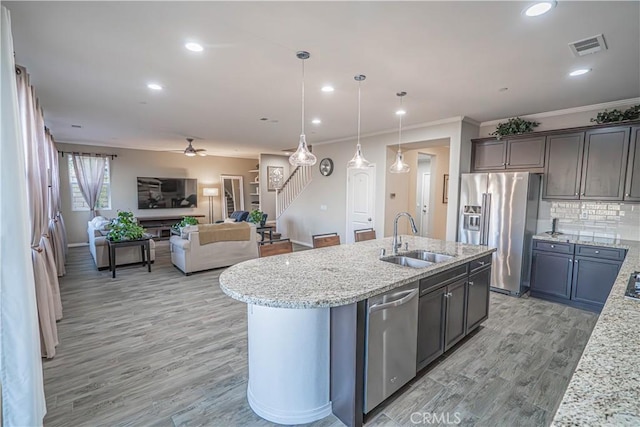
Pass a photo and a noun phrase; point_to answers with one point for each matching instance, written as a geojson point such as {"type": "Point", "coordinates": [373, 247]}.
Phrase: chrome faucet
{"type": "Point", "coordinates": [395, 244]}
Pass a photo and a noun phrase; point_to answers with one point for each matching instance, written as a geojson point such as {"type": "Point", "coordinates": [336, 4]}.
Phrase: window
{"type": "Point", "coordinates": [77, 201]}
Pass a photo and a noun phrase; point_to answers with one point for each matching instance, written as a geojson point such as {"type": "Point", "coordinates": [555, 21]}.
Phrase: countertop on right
{"type": "Point", "coordinates": [605, 388]}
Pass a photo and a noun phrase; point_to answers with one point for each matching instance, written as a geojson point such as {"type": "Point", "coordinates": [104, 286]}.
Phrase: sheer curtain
{"type": "Point", "coordinates": [44, 269]}
{"type": "Point", "coordinates": [57, 231]}
{"type": "Point", "coordinates": [23, 401]}
{"type": "Point", "coordinates": [90, 175]}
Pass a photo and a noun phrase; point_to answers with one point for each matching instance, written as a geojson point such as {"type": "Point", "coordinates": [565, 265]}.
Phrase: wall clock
{"type": "Point", "coordinates": [326, 166]}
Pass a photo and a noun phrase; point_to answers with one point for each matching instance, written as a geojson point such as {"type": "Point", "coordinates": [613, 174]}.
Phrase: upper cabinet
{"type": "Point", "coordinates": [509, 154]}
{"type": "Point", "coordinates": [632, 187]}
{"type": "Point", "coordinates": [604, 164]}
{"type": "Point", "coordinates": [563, 166]}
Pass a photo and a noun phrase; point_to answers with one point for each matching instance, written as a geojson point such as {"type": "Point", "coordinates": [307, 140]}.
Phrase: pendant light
{"type": "Point", "coordinates": [302, 156]}
{"type": "Point", "coordinates": [358, 161]}
{"type": "Point", "coordinates": [399, 166]}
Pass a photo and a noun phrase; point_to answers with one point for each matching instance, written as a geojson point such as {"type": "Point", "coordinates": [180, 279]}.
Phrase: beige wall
{"type": "Point", "coordinates": [405, 188]}
{"type": "Point", "coordinates": [304, 217]}
{"type": "Point", "coordinates": [565, 118]}
{"type": "Point", "coordinates": [268, 198]}
{"type": "Point", "coordinates": [131, 164]}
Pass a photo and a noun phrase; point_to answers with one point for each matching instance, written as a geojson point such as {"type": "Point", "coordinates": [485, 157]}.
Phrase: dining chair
{"type": "Point", "coordinates": [326, 239]}
{"type": "Point", "coordinates": [274, 247]}
{"type": "Point", "coordinates": [364, 234]}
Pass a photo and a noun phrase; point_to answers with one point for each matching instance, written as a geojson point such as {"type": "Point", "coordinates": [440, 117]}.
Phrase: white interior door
{"type": "Point", "coordinates": [361, 192]}
{"type": "Point", "coordinates": [425, 205]}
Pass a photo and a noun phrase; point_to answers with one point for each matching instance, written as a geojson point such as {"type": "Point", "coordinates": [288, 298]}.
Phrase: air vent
{"type": "Point", "coordinates": [589, 45]}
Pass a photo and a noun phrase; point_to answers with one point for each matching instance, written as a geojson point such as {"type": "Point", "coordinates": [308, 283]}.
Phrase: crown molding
{"type": "Point", "coordinates": [582, 109]}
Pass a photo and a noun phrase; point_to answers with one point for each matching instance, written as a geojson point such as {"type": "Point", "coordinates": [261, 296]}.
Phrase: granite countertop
{"type": "Point", "coordinates": [605, 388]}
{"type": "Point", "coordinates": [336, 275]}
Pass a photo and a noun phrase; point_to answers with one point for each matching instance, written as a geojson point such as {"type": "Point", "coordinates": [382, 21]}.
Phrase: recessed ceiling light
{"type": "Point", "coordinates": [194, 47]}
{"type": "Point", "coordinates": [327, 88]}
{"type": "Point", "coordinates": [76, 126]}
{"type": "Point", "coordinates": [503, 89]}
{"type": "Point", "coordinates": [401, 113]}
{"type": "Point", "coordinates": [154, 86]}
{"type": "Point", "coordinates": [539, 8]}
{"type": "Point", "coordinates": [264, 119]}
{"type": "Point", "coordinates": [579, 72]}
{"type": "Point", "coordinates": [316, 121]}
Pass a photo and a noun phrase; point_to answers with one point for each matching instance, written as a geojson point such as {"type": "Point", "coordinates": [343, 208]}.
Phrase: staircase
{"type": "Point", "coordinates": [292, 187]}
{"type": "Point", "coordinates": [229, 203]}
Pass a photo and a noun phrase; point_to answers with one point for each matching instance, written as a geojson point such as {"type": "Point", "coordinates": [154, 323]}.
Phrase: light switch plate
{"type": "Point", "coordinates": [584, 215]}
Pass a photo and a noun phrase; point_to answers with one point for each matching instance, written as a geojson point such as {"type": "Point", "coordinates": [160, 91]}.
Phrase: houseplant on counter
{"type": "Point", "coordinates": [514, 126]}
{"type": "Point", "coordinates": [125, 227]}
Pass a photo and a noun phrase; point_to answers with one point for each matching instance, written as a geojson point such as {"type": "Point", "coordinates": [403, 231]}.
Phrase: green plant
{"type": "Point", "coordinates": [615, 115]}
{"type": "Point", "coordinates": [125, 227]}
{"type": "Point", "coordinates": [187, 220]}
{"type": "Point", "coordinates": [255, 216]}
{"type": "Point", "coordinates": [514, 126]}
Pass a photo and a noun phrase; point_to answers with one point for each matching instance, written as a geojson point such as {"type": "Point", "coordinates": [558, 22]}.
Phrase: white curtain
{"type": "Point", "coordinates": [57, 231]}
{"type": "Point", "coordinates": [23, 401]}
{"type": "Point", "coordinates": [90, 175]}
{"type": "Point", "coordinates": [44, 268]}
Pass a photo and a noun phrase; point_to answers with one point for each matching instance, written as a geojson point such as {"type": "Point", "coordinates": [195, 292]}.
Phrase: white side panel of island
{"type": "Point", "coordinates": [289, 363]}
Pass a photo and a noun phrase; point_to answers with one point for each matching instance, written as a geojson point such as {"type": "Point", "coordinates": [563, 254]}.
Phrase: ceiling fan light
{"type": "Point", "coordinates": [189, 153]}
{"type": "Point", "coordinates": [302, 156]}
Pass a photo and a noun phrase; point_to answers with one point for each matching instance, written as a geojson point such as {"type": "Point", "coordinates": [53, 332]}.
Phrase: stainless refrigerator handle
{"type": "Point", "coordinates": [483, 210]}
{"type": "Point", "coordinates": [406, 296]}
{"type": "Point", "coordinates": [486, 215]}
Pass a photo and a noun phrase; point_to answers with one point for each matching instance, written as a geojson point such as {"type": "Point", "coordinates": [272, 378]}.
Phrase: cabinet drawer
{"type": "Point", "coordinates": [479, 263]}
{"type": "Point", "coordinates": [561, 248]}
{"type": "Point", "coordinates": [600, 252]}
{"type": "Point", "coordinates": [430, 283]}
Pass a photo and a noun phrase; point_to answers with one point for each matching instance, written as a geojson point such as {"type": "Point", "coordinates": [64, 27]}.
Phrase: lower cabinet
{"type": "Point", "coordinates": [456, 314]}
{"type": "Point", "coordinates": [449, 312]}
{"type": "Point", "coordinates": [581, 281]}
{"type": "Point", "coordinates": [478, 298]}
{"type": "Point", "coordinates": [551, 274]}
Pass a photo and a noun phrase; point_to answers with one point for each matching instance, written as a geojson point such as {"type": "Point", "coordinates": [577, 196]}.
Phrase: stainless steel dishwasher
{"type": "Point", "coordinates": [390, 343]}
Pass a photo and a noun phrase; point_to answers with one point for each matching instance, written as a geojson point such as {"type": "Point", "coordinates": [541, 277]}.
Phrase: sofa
{"type": "Point", "coordinates": [97, 229]}
{"type": "Point", "coordinates": [189, 255]}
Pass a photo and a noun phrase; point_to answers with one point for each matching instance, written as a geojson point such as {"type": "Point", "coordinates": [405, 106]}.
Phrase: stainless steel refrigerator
{"type": "Point", "coordinates": [500, 210]}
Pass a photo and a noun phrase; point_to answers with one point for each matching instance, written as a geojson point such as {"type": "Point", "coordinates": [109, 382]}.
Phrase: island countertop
{"type": "Point", "coordinates": [605, 388]}
{"type": "Point", "coordinates": [335, 275]}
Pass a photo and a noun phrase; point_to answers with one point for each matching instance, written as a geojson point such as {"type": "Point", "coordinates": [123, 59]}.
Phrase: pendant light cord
{"type": "Point", "coordinates": [359, 82]}
{"type": "Point", "coordinates": [400, 128]}
{"type": "Point", "coordinates": [303, 97]}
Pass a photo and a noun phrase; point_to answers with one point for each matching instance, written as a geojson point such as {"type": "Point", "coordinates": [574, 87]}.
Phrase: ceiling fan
{"type": "Point", "coordinates": [190, 151]}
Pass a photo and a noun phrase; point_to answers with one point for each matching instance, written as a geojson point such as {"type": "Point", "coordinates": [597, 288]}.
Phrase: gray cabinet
{"type": "Point", "coordinates": [431, 320]}
{"type": "Point", "coordinates": [478, 298]}
{"type": "Point", "coordinates": [604, 164]}
{"type": "Point", "coordinates": [489, 155]}
{"type": "Point", "coordinates": [551, 274]}
{"type": "Point", "coordinates": [455, 313]}
{"type": "Point", "coordinates": [632, 185]}
{"type": "Point", "coordinates": [563, 166]}
{"type": "Point", "coordinates": [522, 153]}
{"type": "Point", "coordinates": [525, 153]}
{"type": "Point", "coordinates": [593, 279]}
{"type": "Point", "coordinates": [582, 278]}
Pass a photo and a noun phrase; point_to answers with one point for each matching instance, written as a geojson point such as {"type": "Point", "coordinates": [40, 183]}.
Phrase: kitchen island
{"type": "Point", "coordinates": [306, 319]}
{"type": "Point", "coordinates": [605, 387]}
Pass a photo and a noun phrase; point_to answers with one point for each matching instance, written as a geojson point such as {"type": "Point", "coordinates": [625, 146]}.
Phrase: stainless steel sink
{"type": "Point", "coordinates": [407, 261]}
{"type": "Point", "coordinates": [431, 257]}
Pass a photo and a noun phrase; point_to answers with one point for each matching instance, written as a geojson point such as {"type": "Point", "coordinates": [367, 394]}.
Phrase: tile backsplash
{"type": "Point", "coordinates": [594, 219]}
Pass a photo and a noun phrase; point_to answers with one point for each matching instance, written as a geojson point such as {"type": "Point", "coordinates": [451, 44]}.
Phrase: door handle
{"type": "Point", "coordinates": [406, 296]}
{"type": "Point", "coordinates": [471, 283]}
{"type": "Point", "coordinates": [369, 219]}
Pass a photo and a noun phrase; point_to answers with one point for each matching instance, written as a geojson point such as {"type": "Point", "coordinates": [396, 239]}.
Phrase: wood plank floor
{"type": "Point", "coordinates": [162, 349]}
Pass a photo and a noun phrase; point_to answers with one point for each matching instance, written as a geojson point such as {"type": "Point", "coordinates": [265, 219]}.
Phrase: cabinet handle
{"type": "Point", "coordinates": [470, 283]}
{"type": "Point", "coordinates": [597, 252]}
{"type": "Point", "coordinates": [553, 246]}
{"type": "Point", "coordinates": [576, 261]}
{"type": "Point", "coordinates": [582, 194]}
{"type": "Point", "coordinates": [627, 195]}
{"type": "Point", "coordinates": [576, 194]}
{"type": "Point", "coordinates": [481, 262]}
{"type": "Point", "coordinates": [570, 260]}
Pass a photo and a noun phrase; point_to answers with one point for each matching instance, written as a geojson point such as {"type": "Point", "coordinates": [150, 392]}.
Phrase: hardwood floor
{"type": "Point", "coordinates": [163, 349]}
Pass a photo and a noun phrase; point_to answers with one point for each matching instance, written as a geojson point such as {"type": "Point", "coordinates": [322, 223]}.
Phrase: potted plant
{"type": "Point", "coordinates": [514, 126]}
{"type": "Point", "coordinates": [187, 220]}
{"type": "Point", "coordinates": [125, 227]}
{"type": "Point", "coordinates": [615, 115]}
{"type": "Point", "coordinates": [256, 216]}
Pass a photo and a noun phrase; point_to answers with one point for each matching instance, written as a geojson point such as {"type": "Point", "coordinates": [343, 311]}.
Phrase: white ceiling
{"type": "Point", "coordinates": [90, 63]}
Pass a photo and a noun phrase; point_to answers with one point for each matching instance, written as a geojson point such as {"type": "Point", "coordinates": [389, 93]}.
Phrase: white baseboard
{"type": "Point", "coordinates": [77, 245]}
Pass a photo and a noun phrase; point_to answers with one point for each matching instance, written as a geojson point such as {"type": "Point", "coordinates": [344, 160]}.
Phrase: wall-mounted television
{"type": "Point", "coordinates": [167, 193]}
